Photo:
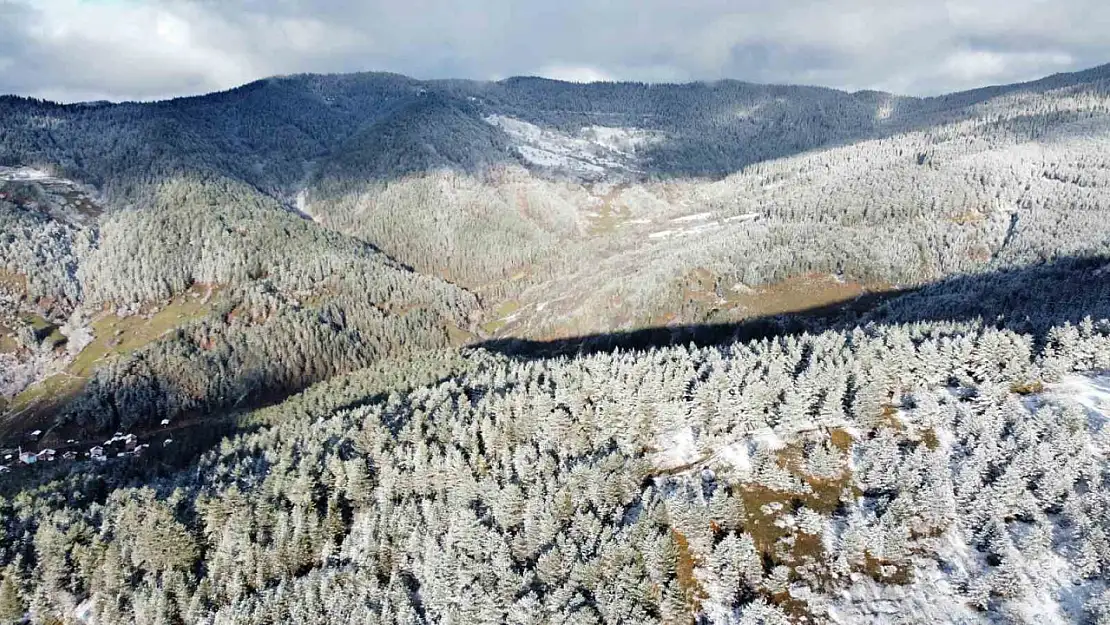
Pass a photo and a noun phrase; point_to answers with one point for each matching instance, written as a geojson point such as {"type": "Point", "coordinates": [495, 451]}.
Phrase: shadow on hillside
{"type": "Point", "coordinates": [1029, 300]}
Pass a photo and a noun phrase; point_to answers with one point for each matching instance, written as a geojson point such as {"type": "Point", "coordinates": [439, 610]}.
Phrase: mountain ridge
{"type": "Point", "coordinates": [375, 350]}
{"type": "Point", "coordinates": [1053, 81]}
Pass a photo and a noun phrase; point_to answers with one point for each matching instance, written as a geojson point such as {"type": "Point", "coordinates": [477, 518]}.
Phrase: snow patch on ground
{"type": "Point", "coordinates": [705, 223]}
{"type": "Point", "coordinates": [1091, 392]}
{"type": "Point", "coordinates": [932, 597]}
{"type": "Point", "coordinates": [736, 456]}
{"type": "Point", "coordinates": [694, 217]}
{"type": "Point", "coordinates": [742, 218]}
{"type": "Point", "coordinates": [23, 174]}
{"type": "Point", "coordinates": [302, 207]}
{"type": "Point", "coordinates": [621, 140]}
{"type": "Point", "coordinates": [681, 450]}
{"type": "Point", "coordinates": [589, 154]}
{"type": "Point", "coordinates": [937, 593]}
{"type": "Point", "coordinates": [678, 449]}
{"type": "Point", "coordinates": [685, 232]}
{"type": "Point", "coordinates": [768, 439]}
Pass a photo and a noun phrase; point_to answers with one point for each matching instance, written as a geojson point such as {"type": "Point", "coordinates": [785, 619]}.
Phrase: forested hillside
{"type": "Point", "coordinates": [940, 472]}
{"type": "Point", "coordinates": [370, 349]}
{"type": "Point", "coordinates": [208, 296]}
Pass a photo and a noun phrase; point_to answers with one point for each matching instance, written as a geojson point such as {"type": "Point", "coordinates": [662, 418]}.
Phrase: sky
{"type": "Point", "coordinates": [78, 50]}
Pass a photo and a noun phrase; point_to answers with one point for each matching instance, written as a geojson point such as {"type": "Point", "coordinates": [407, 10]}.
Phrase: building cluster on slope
{"type": "Point", "coordinates": [121, 445]}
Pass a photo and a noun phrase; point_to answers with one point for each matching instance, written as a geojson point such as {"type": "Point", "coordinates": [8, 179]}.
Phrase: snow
{"type": "Point", "coordinates": [736, 455]}
{"type": "Point", "coordinates": [23, 174]}
{"type": "Point", "coordinates": [302, 205]}
{"type": "Point", "coordinates": [1091, 392]}
{"type": "Point", "coordinates": [1042, 604]}
{"type": "Point", "coordinates": [84, 612]}
{"type": "Point", "coordinates": [947, 568]}
{"type": "Point", "coordinates": [932, 597]}
{"type": "Point", "coordinates": [680, 448]}
{"type": "Point", "coordinates": [556, 159]}
{"type": "Point", "coordinates": [620, 140]}
{"type": "Point", "coordinates": [945, 438]}
{"type": "Point", "coordinates": [685, 232]}
{"type": "Point", "coordinates": [741, 218]}
{"type": "Point", "coordinates": [588, 154]}
{"type": "Point", "coordinates": [695, 217]}
{"type": "Point", "coordinates": [1056, 594]}
{"type": "Point", "coordinates": [677, 449]}
{"type": "Point", "coordinates": [768, 439]}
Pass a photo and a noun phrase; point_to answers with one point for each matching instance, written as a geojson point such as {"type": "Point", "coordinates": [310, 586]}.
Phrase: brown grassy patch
{"type": "Point", "coordinates": [759, 518]}
{"type": "Point", "coordinates": [796, 609]}
{"type": "Point", "coordinates": [825, 492]}
{"type": "Point", "coordinates": [13, 283]}
{"type": "Point", "coordinates": [789, 546]}
{"type": "Point", "coordinates": [803, 293]}
{"type": "Point", "coordinates": [967, 218]}
{"type": "Point", "coordinates": [888, 418]}
{"type": "Point", "coordinates": [1027, 388]}
{"type": "Point", "coordinates": [930, 439]}
{"type": "Point", "coordinates": [611, 214]}
{"type": "Point", "coordinates": [685, 562]}
{"type": "Point", "coordinates": [880, 571]}
{"type": "Point", "coordinates": [114, 337]}
{"type": "Point", "coordinates": [82, 204]}
{"type": "Point", "coordinates": [704, 298]}
{"type": "Point", "coordinates": [8, 344]}
{"type": "Point", "coordinates": [499, 316]}
{"type": "Point", "coordinates": [841, 439]}
{"type": "Point", "coordinates": [457, 337]}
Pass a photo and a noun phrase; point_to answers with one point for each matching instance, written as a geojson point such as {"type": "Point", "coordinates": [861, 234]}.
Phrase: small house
{"type": "Point", "coordinates": [97, 453]}
{"type": "Point", "coordinates": [4, 469]}
{"type": "Point", "coordinates": [28, 457]}
{"type": "Point", "coordinates": [47, 454]}
{"type": "Point", "coordinates": [69, 455]}
{"type": "Point", "coordinates": [165, 422]}
{"type": "Point", "coordinates": [36, 434]}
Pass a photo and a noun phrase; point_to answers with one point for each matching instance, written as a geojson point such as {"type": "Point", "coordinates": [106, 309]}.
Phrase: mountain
{"type": "Point", "coordinates": [365, 348]}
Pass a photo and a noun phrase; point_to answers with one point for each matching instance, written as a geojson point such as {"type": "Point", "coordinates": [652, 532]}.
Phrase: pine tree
{"type": "Point", "coordinates": [12, 605]}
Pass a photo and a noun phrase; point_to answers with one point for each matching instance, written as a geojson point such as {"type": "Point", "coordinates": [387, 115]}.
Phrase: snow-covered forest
{"type": "Point", "coordinates": [380, 336]}
{"type": "Point", "coordinates": [938, 472]}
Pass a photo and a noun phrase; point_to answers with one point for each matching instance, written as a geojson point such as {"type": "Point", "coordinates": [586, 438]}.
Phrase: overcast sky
{"type": "Point", "coordinates": [73, 50]}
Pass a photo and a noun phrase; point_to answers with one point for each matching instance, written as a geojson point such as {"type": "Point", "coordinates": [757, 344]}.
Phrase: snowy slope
{"type": "Point", "coordinates": [594, 153]}
{"type": "Point", "coordinates": [951, 576]}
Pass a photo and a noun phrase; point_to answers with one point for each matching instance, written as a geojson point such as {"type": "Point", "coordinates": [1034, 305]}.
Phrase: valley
{"type": "Point", "coordinates": [528, 351]}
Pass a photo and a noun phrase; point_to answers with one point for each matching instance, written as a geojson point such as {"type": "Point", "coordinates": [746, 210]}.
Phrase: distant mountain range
{"type": "Point", "coordinates": [702, 129]}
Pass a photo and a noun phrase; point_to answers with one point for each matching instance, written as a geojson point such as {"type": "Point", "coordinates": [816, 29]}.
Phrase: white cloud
{"type": "Point", "coordinates": [983, 66]}
{"type": "Point", "coordinates": [81, 49]}
{"type": "Point", "coordinates": [574, 73]}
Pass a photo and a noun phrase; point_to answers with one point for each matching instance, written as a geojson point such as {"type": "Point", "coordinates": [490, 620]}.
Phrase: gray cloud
{"type": "Point", "coordinates": [144, 49]}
